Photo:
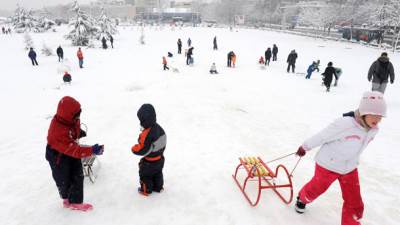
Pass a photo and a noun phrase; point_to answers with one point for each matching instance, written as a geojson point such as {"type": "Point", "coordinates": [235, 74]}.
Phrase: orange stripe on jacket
{"type": "Point", "coordinates": [142, 138]}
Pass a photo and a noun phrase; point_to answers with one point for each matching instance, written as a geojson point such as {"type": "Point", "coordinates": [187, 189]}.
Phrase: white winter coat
{"type": "Point", "coordinates": [342, 142]}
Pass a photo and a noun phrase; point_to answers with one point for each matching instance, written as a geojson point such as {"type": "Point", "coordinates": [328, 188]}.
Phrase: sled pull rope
{"type": "Point", "coordinates": [295, 166]}
{"type": "Point", "coordinates": [282, 157]}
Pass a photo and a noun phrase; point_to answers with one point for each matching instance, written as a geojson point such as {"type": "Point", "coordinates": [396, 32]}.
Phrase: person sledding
{"type": "Point", "coordinates": [213, 69]}
{"type": "Point", "coordinates": [152, 142]}
{"type": "Point", "coordinates": [342, 143]}
{"type": "Point", "coordinates": [67, 77]}
{"type": "Point", "coordinates": [64, 153]}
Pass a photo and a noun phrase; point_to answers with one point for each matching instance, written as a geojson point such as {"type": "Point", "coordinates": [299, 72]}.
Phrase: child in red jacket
{"type": "Point", "coordinates": [151, 146]}
{"type": "Point", "coordinates": [64, 154]}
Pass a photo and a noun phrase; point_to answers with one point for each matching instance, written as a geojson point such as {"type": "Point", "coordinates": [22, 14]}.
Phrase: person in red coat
{"type": "Point", "coordinates": [64, 153]}
{"type": "Point", "coordinates": [79, 54]}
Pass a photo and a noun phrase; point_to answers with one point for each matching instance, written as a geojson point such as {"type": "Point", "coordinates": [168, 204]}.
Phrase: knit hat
{"type": "Point", "coordinates": [372, 103]}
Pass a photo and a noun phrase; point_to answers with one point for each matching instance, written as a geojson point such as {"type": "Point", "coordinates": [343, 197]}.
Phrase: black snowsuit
{"type": "Point", "coordinates": [60, 53]}
{"type": "Point", "coordinates": [152, 143]}
{"type": "Point", "coordinates": [189, 56]}
{"type": "Point", "coordinates": [63, 166]}
{"type": "Point", "coordinates": [328, 76]}
{"type": "Point", "coordinates": [274, 53]}
{"type": "Point", "coordinates": [32, 56]}
{"type": "Point", "coordinates": [215, 47]}
{"type": "Point", "coordinates": [179, 46]}
{"type": "Point", "coordinates": [268, 55]}
{"type": "Point", "coordinates": [104, 41]}
{"type": "Point", "coordinates": [291, 60]}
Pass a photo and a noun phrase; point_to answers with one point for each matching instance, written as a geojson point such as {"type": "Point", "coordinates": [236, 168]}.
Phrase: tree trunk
{"type": "Point", "coordinates": [397, 41]}
{"type": "Point", "coordinates": [394, 43]}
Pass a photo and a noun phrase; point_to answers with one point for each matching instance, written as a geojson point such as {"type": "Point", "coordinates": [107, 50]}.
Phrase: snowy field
{"type": "Point", "coordinates": [210, 120]}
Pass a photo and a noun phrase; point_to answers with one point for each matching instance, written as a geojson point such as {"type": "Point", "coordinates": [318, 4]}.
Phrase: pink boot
{"type": "Point", "coordinates": [82, 206]}
{"type": "Point", "coordinates": [66, 203]}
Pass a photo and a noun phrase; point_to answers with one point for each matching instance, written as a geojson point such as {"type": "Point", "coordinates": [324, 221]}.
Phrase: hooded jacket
{"type": "Point", "coordinates": [64, 130]}
{"type": "Point", "coordinates": [292, 57]}
{"type": "Point", "coordinates": [152, 140]}
{"type": "Point", "coordinates": [381, 70]}
{"type": "Point", "coordinates": [342, 143]}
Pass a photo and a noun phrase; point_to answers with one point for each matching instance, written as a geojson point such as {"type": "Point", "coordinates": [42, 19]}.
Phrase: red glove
{"type": "Point", "coordinates": [301, 152]}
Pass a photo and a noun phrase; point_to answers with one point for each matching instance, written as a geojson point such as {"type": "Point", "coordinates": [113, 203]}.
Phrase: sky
{"type": "Point", "coordinates": [34, 4]}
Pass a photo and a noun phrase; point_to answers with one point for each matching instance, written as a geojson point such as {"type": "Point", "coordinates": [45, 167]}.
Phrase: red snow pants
{"type": "Point", "coordinates": [353, 206]}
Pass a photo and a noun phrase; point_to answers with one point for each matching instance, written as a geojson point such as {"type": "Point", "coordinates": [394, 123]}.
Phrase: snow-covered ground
{"type": "Point", "coordinates": [210, 120]}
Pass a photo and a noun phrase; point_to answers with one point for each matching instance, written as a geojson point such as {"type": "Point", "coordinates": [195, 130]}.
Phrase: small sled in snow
{"type": "Point", "coordinates": [253, 175]}
{"type": "Point", "coordinates": [87, 164]}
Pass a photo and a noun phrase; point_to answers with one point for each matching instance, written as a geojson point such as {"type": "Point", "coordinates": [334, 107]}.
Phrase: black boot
{"type": "Point", "coordinates": [300, 207]}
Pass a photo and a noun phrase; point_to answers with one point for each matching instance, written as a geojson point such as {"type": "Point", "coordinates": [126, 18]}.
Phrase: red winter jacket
{"type": "Point", "coordinates": [64, 130]}
{"type": "Point", "coordinates": [79, 54]}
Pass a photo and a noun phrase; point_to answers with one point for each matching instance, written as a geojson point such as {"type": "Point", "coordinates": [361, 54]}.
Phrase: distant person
{"type": "Point", "coordinates": [291, 60]}
{"type": "Point", "coordinates": [112, 41]}
{"type": "Point", "coordinates": [189, 58]}
{"type": "Point", "coordinates": [79, 54]}
{"type": "Point", "coordinates": [32, 56]}
{"type": "Point", "coordinates": [215, 46]}
{"type": "Point", "coordinates": [338, 74]}
{"type": "Point", "coordinates": [274, 53]}
{"type": "Point", "coordinates": [316, 66]}
{"type": "Point", "coordinates": [164, 62]}
{"type": "Point", "coordinates": [67, 77]}
{"type": "Point", "coordinates": [229, 60]}
{"type": "Point", "coordinates": [261, 61]}
{"type": "Point", "coordinates": [179, 43]}
{"type": "Point", "coordinates": [310, 70]}
{"type": "Point", "coordinates": [213, 69]}
{"type": "Point", "coordinates": [3, 29]}
{"type": "Point", "coordinates": [233, 59]}
{"type": "Point", "coordinates": [170, 55]}
{"type": "Point", "coordinates": [104, 43]}
{"type": "Point", "coordinates": [328, 76]}
{"type": "Point", "coordinates": [60, 53]}
{"type": "Point", "coordinates": [189, 42]}
{"type": "Point", "coordinates": [380, 72]}
{"type": "Point", "coordinates": [268, 55]}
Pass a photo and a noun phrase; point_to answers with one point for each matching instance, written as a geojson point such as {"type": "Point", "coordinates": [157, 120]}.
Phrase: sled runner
{"type": "Point", "coordinates": [256, 171]}
{"type": "Point", "coordinates": [87, 164]}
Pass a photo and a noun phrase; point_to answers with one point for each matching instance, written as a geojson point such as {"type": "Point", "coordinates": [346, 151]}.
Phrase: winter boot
{"type": "Point", "coordinates": [144, 193]}
{"type": "Point", "coordinates": [66, 203]}
{"type": "Point", "coordinates": [300, 207]}
{"type": "Point", "coordinates": [159, 191]}
{"type": "Point", "coordinates": [81, 207]}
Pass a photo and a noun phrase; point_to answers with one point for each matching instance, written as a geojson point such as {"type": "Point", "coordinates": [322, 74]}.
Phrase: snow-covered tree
{"type": "Point", "coordinates": [107, 27]}
{"type": "Point", "coordinates": [387, 15]}
{"type": "Point", "coordinates": [46, 50]}
{"type": "Point", "coordinates": [28, 41]}
{"type": "Point", "coordinates": [44, 24]}
{"type": "Point", "coordinates": [83, 27]}
{"type": "Point", "coordinates": [23, 21]}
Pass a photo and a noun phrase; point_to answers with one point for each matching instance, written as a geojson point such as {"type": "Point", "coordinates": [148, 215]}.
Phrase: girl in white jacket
{"type": "Point", "coordinates": [342, 143]}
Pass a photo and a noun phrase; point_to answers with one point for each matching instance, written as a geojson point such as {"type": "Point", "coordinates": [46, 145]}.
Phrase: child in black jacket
{"type": "Point", "coordinates": [152, 142]}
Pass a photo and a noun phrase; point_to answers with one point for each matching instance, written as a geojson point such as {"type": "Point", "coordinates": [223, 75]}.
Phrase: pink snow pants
{"type": "Point", "coordinates": [353, 206]}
